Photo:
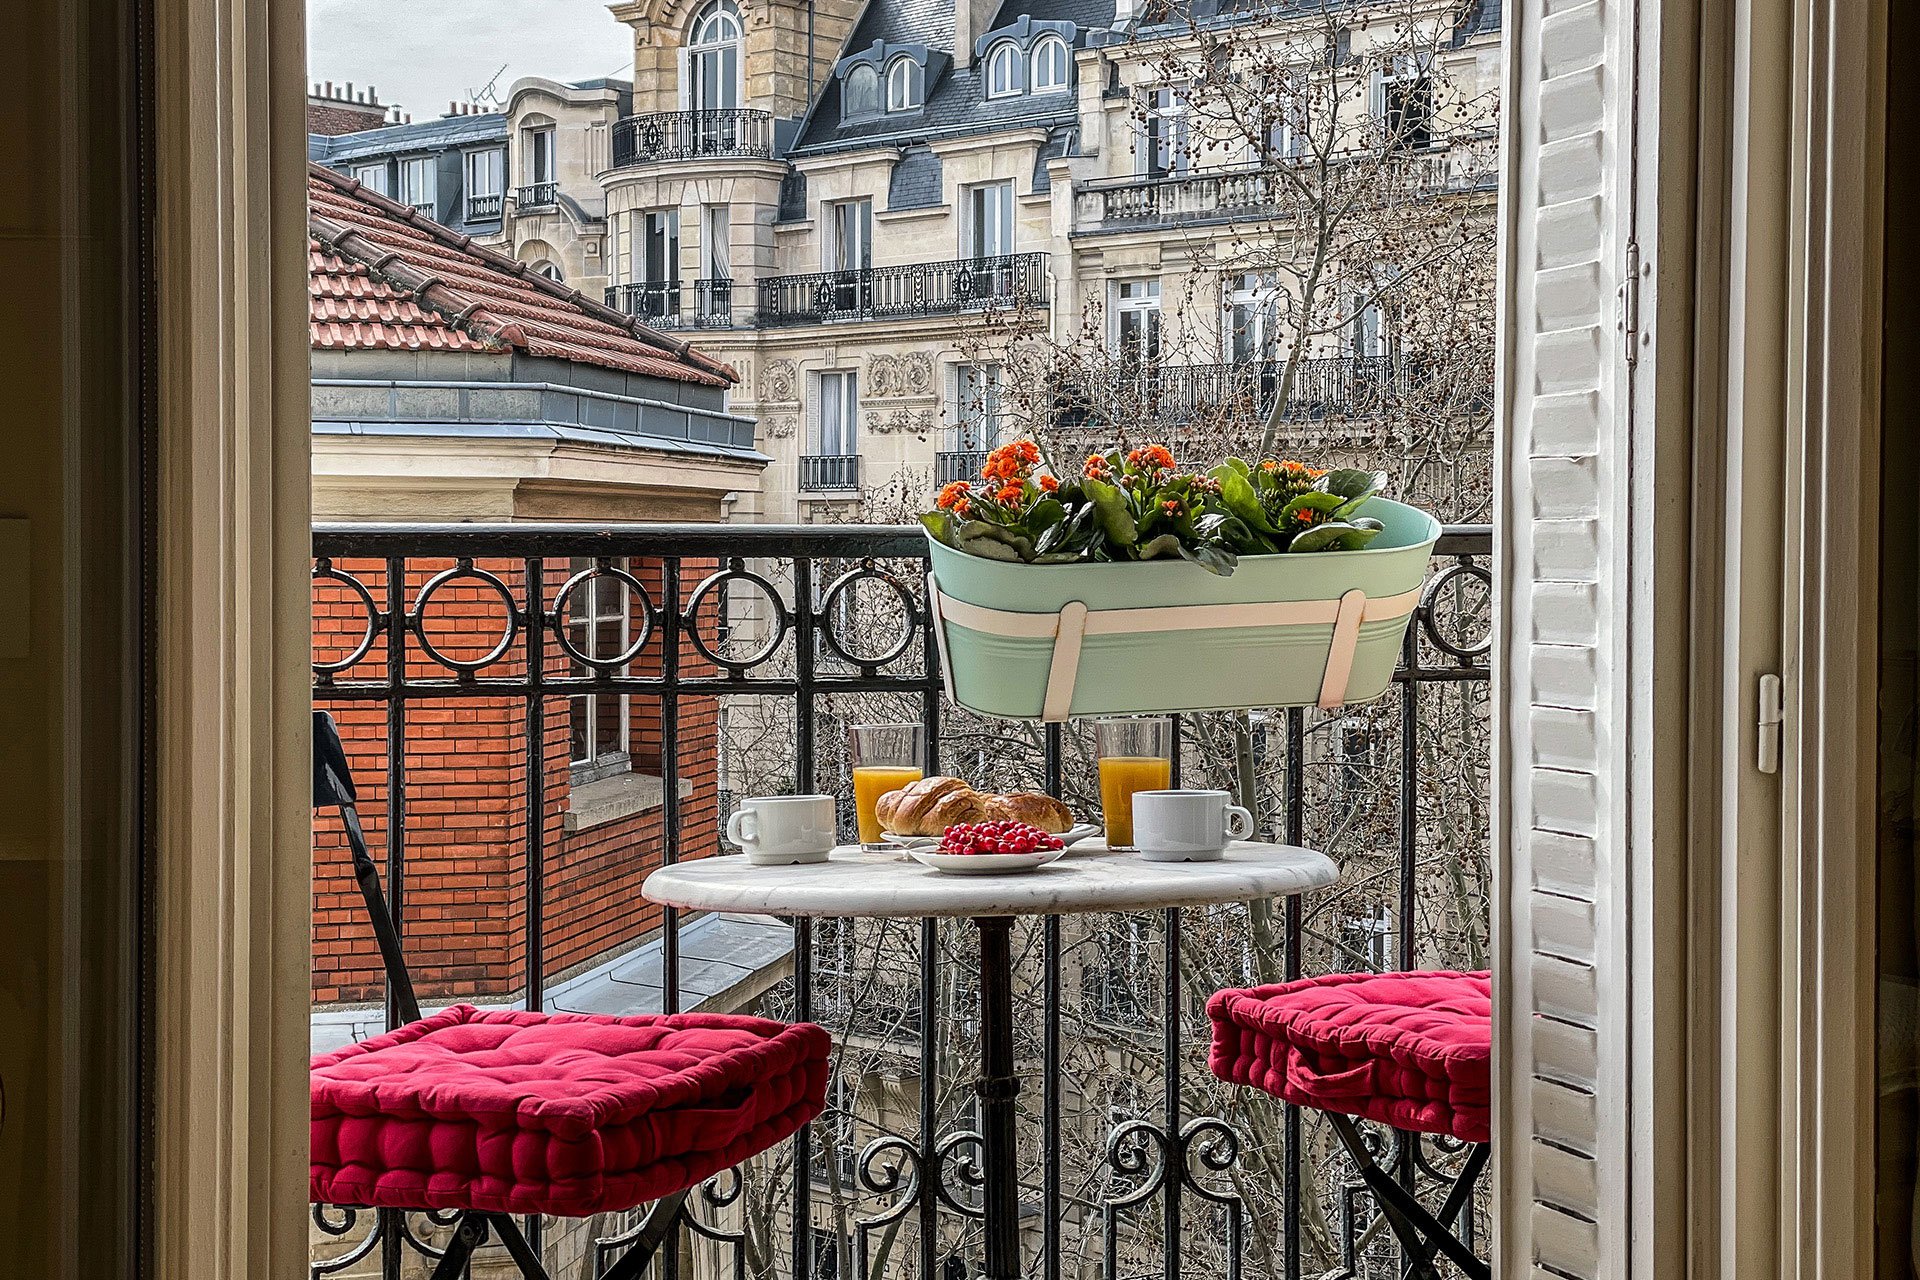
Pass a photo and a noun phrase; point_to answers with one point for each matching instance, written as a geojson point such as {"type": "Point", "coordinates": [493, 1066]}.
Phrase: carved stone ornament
{"type": "Point", "coordinates": [781, 427]}
{"type": "Point", "coordinates": [917, 373]}
{"type": "Point", "coordinates": [883, 374]}
{"type": "Point", "coordinates": [777, 380]}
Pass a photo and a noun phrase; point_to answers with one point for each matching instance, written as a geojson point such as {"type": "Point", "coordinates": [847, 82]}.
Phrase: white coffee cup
{"type": "Point", "coordinates": [1186, 826]}
{"type": "Point", "coordinates": [778, 831]}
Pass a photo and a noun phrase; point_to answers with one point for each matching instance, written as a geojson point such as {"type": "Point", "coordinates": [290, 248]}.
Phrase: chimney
{"type": "Point", "coordinates": [970, 22]}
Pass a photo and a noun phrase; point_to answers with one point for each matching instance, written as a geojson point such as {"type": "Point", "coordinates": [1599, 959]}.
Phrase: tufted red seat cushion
{"type": "Point", "coordinates": [570, 1114]}
{"type": "Point", "coordinates": [1413, 1050]}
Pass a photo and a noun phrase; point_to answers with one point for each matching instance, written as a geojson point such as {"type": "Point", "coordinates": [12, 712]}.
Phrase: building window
{"type": "Point", "coordinates": [598, 622]}
{"type": "Point", "coordinates": [1403, 104]}
{"type": "Point", "coordinates": [417, 185]}
{"type": "Point", "coordinates": [903, 85]}
{"type": "Point", "coordinates": [975, 414]}
{"type": "Point", "coordinates": [1366, 333]}
{"type": "Point", "coordinates": [539, 156]}
{"type": "Point", "coordinates": [1286, 123]}
{"type": "Point", "coordinates": [716, 237]}
{"type": "Point", "coordinates": [713, 58]}
{"type": "Point", "coordinates": [826, 1254]}
{"type": "Point", "coordinates": [1003, 70]}
{"type": "Point", "coordinates": [551, 270]}
{"type": "Point", "coordinates": [834, 429]}
{"type": "Point", "coordinates": [373, 177]}
{"type": "Point", "coordinates": [861, 95]}
{"type": "Point", "coordinates": [849, 235]}
{"type": "Point", "coordinates": [1168, 150]}
{"type": "Point", "coordinates": [1367, 940]}
{"type": "Point", "coordinates": [1253, 319]}
{"type": "Point", "coordinates": [1354, 768]}
{"type": "Point", "coordinates": [990, 218]}
{"type": "Point", "coordinates": [1050, 64]}
{"type": "Point", "coordinates": [486, 176]}
{"type": "Point", "coordinates": [1137, 320]}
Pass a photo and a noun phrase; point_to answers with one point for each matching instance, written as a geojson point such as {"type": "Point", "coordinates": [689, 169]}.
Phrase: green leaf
{"type": "Point", "coordinates": [1312, 500]}
{"type": "Point", "coordinates": [940, 525]}
{"type": "Point", "coordinates": [1045, 514]}
{"type": "Point", "coordinates": [994, 541]}
{"type": "Point", "coordinates": [1115, 516]}
{"type": "Point", "coordinates": [1167, 544]}
{"type": "Point", "coordinates": [1212, 557]}
{"type": "Point", "coordinates": [1322, 537]}
{"type": "Point", "coordinates": [1350, 482]}
{"type": "Point", "coordinates": [1237, 464]}
{"type": "Point", "coordinates": [1237, 495]}
{"type": "Point", "coordinates": [1359, 537]}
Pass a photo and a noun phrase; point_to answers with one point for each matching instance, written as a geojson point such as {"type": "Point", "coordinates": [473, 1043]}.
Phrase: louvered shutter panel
{"type": "Point", "coordinates": [813, 414]}
{"type": "Point", "coordinates": [1564, 968]}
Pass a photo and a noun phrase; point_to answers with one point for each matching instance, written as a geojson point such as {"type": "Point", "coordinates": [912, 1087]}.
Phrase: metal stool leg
{"type": "Point", "coordinates": [469, 1233]}
{"type": "Point", "coordinates": [517, 1247]}
{"type": "Point", "coordinates": [653, 1232]}
{"type": "Point", "coordinates": [1420, 1233]}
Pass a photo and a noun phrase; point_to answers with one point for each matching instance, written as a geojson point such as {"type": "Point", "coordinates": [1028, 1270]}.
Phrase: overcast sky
{"type": "Point", "coordinates": [423, 54]}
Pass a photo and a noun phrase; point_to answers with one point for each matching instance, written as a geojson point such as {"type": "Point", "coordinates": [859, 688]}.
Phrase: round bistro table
{"type": "Point", "coordinates": [1090, 878]}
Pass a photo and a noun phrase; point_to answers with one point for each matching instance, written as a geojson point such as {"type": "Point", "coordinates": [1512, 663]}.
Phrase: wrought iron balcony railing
{"type": "Point", "coordinates": [729, 661]}
{"type": "Point", "coordinates": [830, 473]}
{"type": "Point", "coordinates": [694, 304]}
{"type": "Point", "coordinates": [1350, 387]}
{"type": "Point", "coordinates": [537, 195]}
{"type": "Point", "coordinates": [958, 464]}
{"type": "Point", "coordinates": [484, 208]}
{"type": "Point", "coordinates": [1011, 282]}
{"type": "Point", "coordinates": [693, 135]}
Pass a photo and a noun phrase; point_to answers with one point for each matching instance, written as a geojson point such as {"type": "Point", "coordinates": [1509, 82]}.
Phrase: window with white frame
{"type": "Point", "coordinates": [598, 625]}
{"type": "Point", "coordinates": [1167, 149]}
{"type": "Point", "coordinates": [537, 150]}
{"type": "Point", "coordinates": [1287, 129]}
{"type": "Point", "coordinates": [903, 85]}
{"type": "Point", "coordinates": [1253, 319]}
{"type": "Point", "coordinates": [990, 220]}
{"type": "Point", "coordinates": [716, 242]}
{"type": "Point", "coordinates": [1366, 334]}
{"type": "Point", "coordinates": [849, 235]}
{"type": "Point", "coordinates": [974, 417]}
{"type": "Point", "coordinates": [373, 176]}
{"type": "Point", "coordinates": [860, 92]}
{"type": "Point", "coordinates": [486, 174]}
{"type": "Point", "coordinates": [551, 270]}
{"type": "Point", "coordinates": [1052, 65]}
{"type": "Point", "coordinates": [833, 426]}
{"type": "Point", "coordinates": [1354, 750]}
{"type": "Point", "coordinates": [713, 58]}
{"type": "Point", "coordinates": [1402, 101]}
{"type": "Point", "coordinates": [1366, 940]}
{"type": "Point", "coordinates": [417, 183]}
{"type": "Point", "coordinates": [1136, 320]}
{"type": "Point", "coordinates": [1004, 78]}
{"type": "Point", "coordinates": [1114, 983]}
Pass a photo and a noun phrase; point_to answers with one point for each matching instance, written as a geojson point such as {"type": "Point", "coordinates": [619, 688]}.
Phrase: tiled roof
{"type": "Point", "coordinates": [382, 277]}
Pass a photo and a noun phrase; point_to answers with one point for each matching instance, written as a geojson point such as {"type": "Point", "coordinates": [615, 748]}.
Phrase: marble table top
{"type": "Point", "coordinates": [1090, 878]}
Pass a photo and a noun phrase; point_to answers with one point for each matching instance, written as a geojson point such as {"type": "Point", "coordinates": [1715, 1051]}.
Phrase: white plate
{"type": "Point", "coordinates": [982, 864]}
{"type": "Point", "coordinates": [1068, 838]}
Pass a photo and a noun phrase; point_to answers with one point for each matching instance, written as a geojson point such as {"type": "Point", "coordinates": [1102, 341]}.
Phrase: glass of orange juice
{"type": "Point", "coordinates": [1136, 754]}
{"type": "Point", "coordinates": [885, 758]}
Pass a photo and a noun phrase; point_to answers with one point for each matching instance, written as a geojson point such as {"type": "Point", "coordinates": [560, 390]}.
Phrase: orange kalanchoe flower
{"type": "Point", "coordinates": [954, 496]}
{"type": "Point", "coordinates": [1011, 461]}
{"type": "Point", "coordinates": [1096, 467]}
{"type": "Point", "coordinates": [1048, 484]}
{"type": "Point", "coordinates": [1153, 455]}
{"type": "Point", "coordinates": [1010, 493]}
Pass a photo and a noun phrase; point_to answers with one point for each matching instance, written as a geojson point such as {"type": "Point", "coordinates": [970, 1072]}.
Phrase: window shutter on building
{"type": "Point", "coordinates": [813, 413]}
{"type": "Point", "coordinates": [1573, 1121]}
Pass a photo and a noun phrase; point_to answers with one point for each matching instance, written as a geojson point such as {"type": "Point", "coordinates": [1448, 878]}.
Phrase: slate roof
{"type": "Point", "coordinates": [956, 103]}
{"type": "Point", "coordinates": [382, 277]}
{"type": "Point", "coordinates": [395, 139]}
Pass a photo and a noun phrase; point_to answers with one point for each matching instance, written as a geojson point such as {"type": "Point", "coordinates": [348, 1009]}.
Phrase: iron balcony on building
{"type": "Point", "coordinates": [735, 132]}
{"type": "Point", "coordinates": [1129, 1164]}
{"type": "Point", "coordinates": [1011, 282]}
{"type": "Point", "coordinates": [694, 304]}
{"type": "Point", "coordinates": [830, 473]}
{"type": "Point", "coordinates": [1323, 387]}
{"type": "Point", "coordinates": [958, 464]}
{"type": "Point", "coordinates": [537, 195]}
{"type": "Point", "coordinates": [484, 208]}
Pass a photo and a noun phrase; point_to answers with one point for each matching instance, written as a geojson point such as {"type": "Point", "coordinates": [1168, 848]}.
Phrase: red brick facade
{"type": "Point", "coordinates": [465, 885]}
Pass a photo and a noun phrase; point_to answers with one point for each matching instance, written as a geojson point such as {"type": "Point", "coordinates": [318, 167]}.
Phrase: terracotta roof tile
{"type": "Point", "coordinates": [383, 277]}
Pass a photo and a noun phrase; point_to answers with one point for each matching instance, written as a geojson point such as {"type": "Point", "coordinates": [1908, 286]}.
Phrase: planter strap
{"type": "Point", "coordinates": [1075, 621]}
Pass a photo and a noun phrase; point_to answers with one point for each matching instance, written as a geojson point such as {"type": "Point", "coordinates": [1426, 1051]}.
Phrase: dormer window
{"type": "Point", "coordinates": [903, 85]}
{"type": "Point", "coordinates": [1050, 65]}
{"type": "Point", "coordinates": [1003, 70]}
{"type": "Point", "coordinates": [862, 94]}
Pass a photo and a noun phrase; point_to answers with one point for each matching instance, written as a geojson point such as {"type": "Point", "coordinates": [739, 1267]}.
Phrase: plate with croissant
{"type": "Point", "coordinates": [916, 816]}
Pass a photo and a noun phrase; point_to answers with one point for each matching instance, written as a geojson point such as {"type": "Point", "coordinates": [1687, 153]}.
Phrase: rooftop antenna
{"type": "Point", "coordinates": [488, 94]}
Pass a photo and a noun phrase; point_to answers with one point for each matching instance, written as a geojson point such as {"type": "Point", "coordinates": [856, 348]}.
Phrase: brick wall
{"type": "Point", "coordinates": [332, 117]}
{"type": "Point", "coordinates": [465, 881]}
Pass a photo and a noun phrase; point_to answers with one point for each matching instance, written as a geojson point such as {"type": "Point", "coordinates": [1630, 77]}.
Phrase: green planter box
{"type": "Point", "coordinates": [1054, 641]}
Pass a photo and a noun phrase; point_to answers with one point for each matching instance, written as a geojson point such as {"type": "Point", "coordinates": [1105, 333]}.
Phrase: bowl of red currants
{"type": "Point", "coordinates": [990, 848]}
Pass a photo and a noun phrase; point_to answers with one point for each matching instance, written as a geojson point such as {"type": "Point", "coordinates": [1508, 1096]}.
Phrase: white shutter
{"type": "Point", "coordinates": [1572, 1123]}
{"type": "Point", "coordinates": [813, 414]}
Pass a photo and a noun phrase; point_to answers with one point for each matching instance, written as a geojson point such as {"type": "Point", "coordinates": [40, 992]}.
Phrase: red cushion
{"type": "Point", "coordinates": [1413, 1050]}
{"type": "Point", "coordinates": [568, 1114]}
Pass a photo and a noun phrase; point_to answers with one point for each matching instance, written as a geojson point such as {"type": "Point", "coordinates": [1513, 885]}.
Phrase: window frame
{"type": "Point", "coordinates": [381, 170]}
{"type": "Point", "coordinates": [538, 145]}
{"type": "Point", "coordinates": [991, 205]}
{"type": "Point", "coordinates": [714, 60]}
{"type": "Point", "coordinates": [598, 765]}
{"type": "Point", "coordinates": [469, 169]}
{"type": "Point", "coordinates": [848, 109]}
{"type": "Point", "coordinates": [903, 70]}
{"type": "Point", "coordinates": [412, 168]}
{"type": "Point", "coordinates": [1143, 304]}
{"type": "Point", "coordinates": [977, 406]}
{"type": "Point", "coordinates": [1005, 53]}
{"type": "Point", "coordinates": [845, 429]}
{"type": "Point", "coordinates": [1047, 46]}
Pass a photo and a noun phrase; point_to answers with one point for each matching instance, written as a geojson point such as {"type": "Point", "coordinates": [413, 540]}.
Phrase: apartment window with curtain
{"type": "Point", "coordinates": [903, 85]}
{"type": "Point", "coordinates": [860, 92]}
{"type": "Point", "coordinates": [538, 150]}
{"type": "Point", "coordinates": [373, 177]}
{"type": "Point", "coordinates": [975, 413]}
{"type": "Point", "coordinates": [1136, 321]}
{"type": "Point", "coordinates": [849, 235]}
{"type": "Point", "coordinates": [990, 218]}
{"type": "Point", "coordinates": [1168, 148]}
{"type": "Point", "coordinates": [716, 268]}
{"type": "Point", "coordinates": [713, 58]}
{"type": "Point", "coordinates": [417, 185]}
{"type": "Point", "coordinates": [598, 625]}
{"type": "Point", "coordinates": [486, 175]}
{"type": "Point", "coordinates": [836, 413]}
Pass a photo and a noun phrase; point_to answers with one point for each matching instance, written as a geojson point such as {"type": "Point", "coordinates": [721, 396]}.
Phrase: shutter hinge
{"type": "Point", "coordinates": [1772, 712]}
{"type": "Point", "coordinates": [1629, 299]}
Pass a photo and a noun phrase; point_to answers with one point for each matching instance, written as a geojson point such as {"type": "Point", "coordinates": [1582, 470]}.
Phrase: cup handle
{"type": "Point", "coordinates": [737, 832]}
{"type": "Point", "coordinates": [1239, 823]}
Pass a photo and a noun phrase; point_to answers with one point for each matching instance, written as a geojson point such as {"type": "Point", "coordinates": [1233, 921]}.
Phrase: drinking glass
{"type": "Point", "coordinates": [1136, 754]}
{"type": "Point", "coordinates": [885, 758]}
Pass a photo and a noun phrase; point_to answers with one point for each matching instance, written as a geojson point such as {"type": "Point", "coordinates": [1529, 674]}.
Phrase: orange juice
{"type": "Point", "coordinates": [1120, 777]}
{"type": "Point", "coordinates": [870, 782]}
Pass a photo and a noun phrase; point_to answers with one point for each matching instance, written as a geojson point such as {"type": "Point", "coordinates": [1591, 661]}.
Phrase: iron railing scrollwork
{"type": "Point", "coordinates": [958, 464]}
{"type": "Point", "coordinates": [536, 195]}
{"type": "Point", "coordinates": [692, 304]}
{"type": "Point", "coordinates": [1169, 1177]}
{"type": "Point", "coordinates": [1012, 281]}
{"type": "Point", "coordinates": [734, 132]}
{"type": "Point", "coordinates": [484, 208]}
{"type": "Point", "coordinates": [830, 473]}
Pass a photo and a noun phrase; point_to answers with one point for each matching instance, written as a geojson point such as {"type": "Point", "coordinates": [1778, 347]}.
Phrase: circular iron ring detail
{"type": "Point", "coordinates": [782, 620]}
{"type": "Point", "coordinates": [323, 571]}
{"type": "Point", "coordinates": [1446, 576]}
{"type": "Point", "coordinates": [557, 619]}
{"type": "Point", "coordinates": [463, 570]}
{"type": "Point", "coordinates": [868, 570]}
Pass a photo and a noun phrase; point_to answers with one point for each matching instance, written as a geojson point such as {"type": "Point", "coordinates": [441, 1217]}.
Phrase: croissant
{"type": "Point", "coordinates": [1040, 811]}
{"type": "Point", "coordinates": [929, 806]}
